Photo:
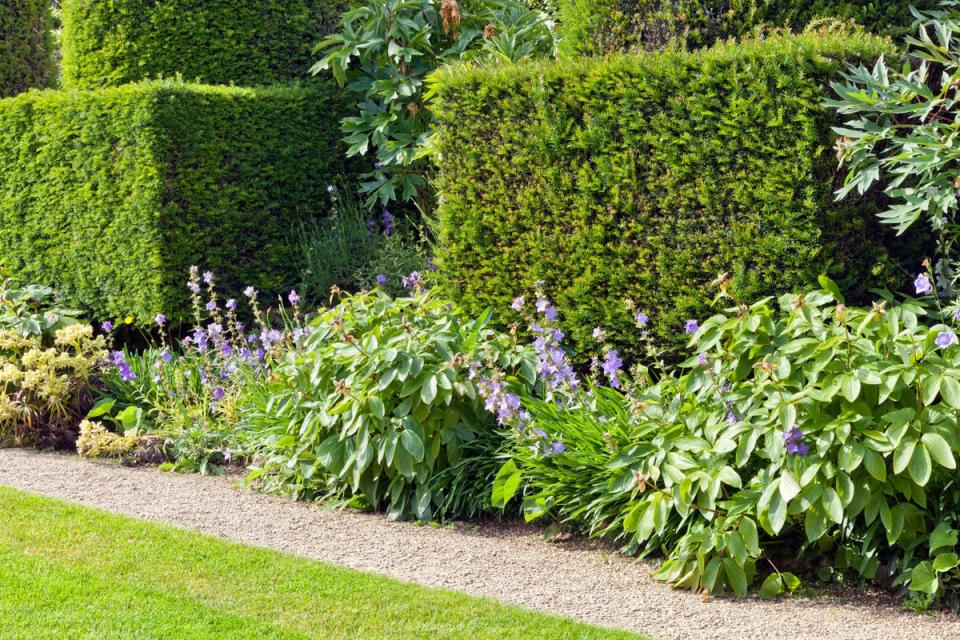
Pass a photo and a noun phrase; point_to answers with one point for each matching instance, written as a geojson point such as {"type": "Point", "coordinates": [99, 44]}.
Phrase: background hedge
{"type": "Point", "coordinates": [593, 27]}
{"type": "Point", "coordinates": [26, 46]}
{"type": "Point", "coordinates": [108, 43]}
{"type": "Point", "coordinates": [110, 195]}
{"type": "Point", "coordinates": [644, 177]}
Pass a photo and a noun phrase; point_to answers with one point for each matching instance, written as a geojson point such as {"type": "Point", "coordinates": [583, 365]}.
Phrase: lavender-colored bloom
{"type": "Point", "coordinates": [330, 188]}
{"type": "Point", "coordinates": [641, 319]}
{"type": "Point", "coordinates": [166, 355]}
{"type": "Point", "coordinates": [245, 353]}
{"type": "Point", "coordinates": [261, 354]}
{"type": "Point", "coordinates": [293, 297]}
{"type": "Point", "coordinates": [226, 350]}
{"type": "Point", "coordinates": [923, 284]}
{"type": "Point", "coordinates": [702, 360]}
{"type": "Point", "coordinates": [194, 287]}
{"type": "Point", "coordinates": [160, 319]}
{"type": "Point", "coordinates": [251, 293]}
{"type": "Point", "coordinates": [107, 326]}
{"type": "Point", "coordinates": [218, 393]}
{"type": "Point", "coordinates": [413, 281]}
{"type": "Point", "coordinates": [518, 303]}
{"type": "Point", "coordinates": [388, 223]}
{"type": "Point", "coordinates": [208, 277]}
{"type": "Point", "coordinates": [612, 366]}
{"type": "Point", "coordinates": [599, 334]}
{"type": "Point", "coordinates": [371, 227]}
{"type": "Point", "coordinates": [431, 264]}
{"type": "Point", "coordinates": [793, 439]}
{"type": "Point", "coordinates": [557, 447]}
{"type": "Point", "coordinates": [381, 280]}
{"type": "Point", "coordinates": [540, 432]}
{"type": "Point", "coordinates": [212, 306]}
{"type": "Point", "coordinates": [946, 339]}
{"type": "Point", "coordinates": [231, 304]}
{"type": "Point", "coordinates": [692, 326]}
{"type": "Point", "coordinates": [119, 360]}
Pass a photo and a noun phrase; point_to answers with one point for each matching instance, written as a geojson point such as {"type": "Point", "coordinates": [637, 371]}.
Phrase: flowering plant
{"type": "Point", "coordinates": [381, 400]}
{"type": "Point", "coordinates": [801, 430]}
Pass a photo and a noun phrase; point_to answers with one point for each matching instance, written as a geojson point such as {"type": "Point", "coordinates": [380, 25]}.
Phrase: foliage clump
{"type": "Point", "coordinates": [26, 46]}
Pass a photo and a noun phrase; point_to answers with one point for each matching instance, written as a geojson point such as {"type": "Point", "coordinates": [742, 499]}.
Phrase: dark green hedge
{"type": "Point", "coordinates": [644, 177]}
{"type": "Point", "coordinates": [590, 27]}
{"type": "Point", "coordinates": [26, 46]}
{"type": "Point", "coordinates": [108, 43]}
{"type": "Point", "coordinates": [110, 195]}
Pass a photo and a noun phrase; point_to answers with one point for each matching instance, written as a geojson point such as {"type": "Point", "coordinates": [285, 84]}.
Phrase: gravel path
{"type": "Point", "coordinates": [510, 563]}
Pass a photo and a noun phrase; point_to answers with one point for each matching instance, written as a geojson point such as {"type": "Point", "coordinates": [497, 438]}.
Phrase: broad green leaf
{"type": "Point", "coordinates": [920, 466]}
{"type": "Point", "coordinates": [876, 465]}
{"type": "Point", "coordinates": [772, 587]}
{"type": "Point", "coordinates": [923, 579]}
{"type": "Point", "coordinates": [832, 505]}
{"type": "Point", "coordinates": [412, 443]}
{"type": "Point", "coordinates": [939, 450]}
{"type": "Point", "coordinates": [735, 576]}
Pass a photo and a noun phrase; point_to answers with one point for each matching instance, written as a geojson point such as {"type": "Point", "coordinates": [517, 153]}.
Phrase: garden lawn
{"type": "Point", "coordinates": [74, 572]}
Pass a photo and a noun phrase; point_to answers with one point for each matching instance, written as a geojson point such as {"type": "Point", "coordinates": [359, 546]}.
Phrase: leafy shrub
{"type": "Point", "coordinates": [593, 27]}
{"type": "Point", "coordinates": [29, 310]}
{"type": "Point", "coordinates": [644, 177]}
{"type": "Point", "coordinates": [801, 431]}
{"type": "Point", "coordinates": [385, 49]}
{"type": "Point", "coordinates": [110, 195]}
{"type": "Point", "coordinates": [26, 46]}
{"type": "Point", "coordinates": [901, 129]}
{"type": "Point", "coordinates": [95, 441]}
{"type": "Point", "coordinates": [214, 41]}
{"type": "Point", "coordinates": [46, 390]}
{"type": "Point", "coordinates": [381, 401]}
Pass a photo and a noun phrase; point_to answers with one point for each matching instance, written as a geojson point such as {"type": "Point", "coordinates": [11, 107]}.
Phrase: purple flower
{"type": "Point", "coordinates": [956, 315]}
{"type": "Point", "coordinates": [251, 293]}
{"type": "Point", "coordinates": [293, 297]}
{"type": "Point", "coordinates": [119, 360]}
{"type": "Point", "coordinates": [218, 393]}
{"type": "Point", "coordinates": [331, 188]}
{"type": "Point", "coordinates": [212, 306]}
{"type": "Point", "coordinates": [160, 319]}
{"type": "Point", "coordinates": [387, 223]}
{"type": "Point", "coordinates": [793, 439]}
{"type": "Point", "coordinates": [231, 304]}
{"type": "Point", "coordinates": [946, 339]}
{"type": "Point", "coordinates": [641, 319]}
{"type": "Point", "coordinates": [194, 287]}
{"type": "Point", "coordinates": [208, 277]}
{"type": "Point", "coordinates": [413, 281]}
{"type": "Point", "coordinates": [692, 326]}
{"type": "Point", "coordinates": [599, 334]}
{"type": "Point", "coordinates": [166, 355]}
{"type": "Point", "coordinates": [612, 365]}
{"type": "Point", "coordinates": [381, 280]}
{"type": "Point", "coordinates": [431, 265]}
{"type": "Point", "coordinates": [702, 360]}
{"type": "Point", "coordinates": [107, 326]}
{"type": "Point", "coordinates": [557, 447]}
{"type": "Point", "coordinates": [923, 284]}
{"type": "Point", "coordinates": [518, 303]}
{"type": "Point", "coordinates": [371, 227]}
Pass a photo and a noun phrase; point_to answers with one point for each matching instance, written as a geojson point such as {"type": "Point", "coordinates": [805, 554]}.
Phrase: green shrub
{"type": "Point", "coordinates": [591, 27]}
{"type": "Point", "coordinates": [110, 195]}
{"type": "Point", "coordinates": [806, 433]}
{"type": "Point", "coordinates": [213, 41]}
{"type": "Point", "coordinates": [644, 177]}
{"type": "Point", "coordinates": [26, 46]}
{"type": "Point", "coordinates": [382, 400]}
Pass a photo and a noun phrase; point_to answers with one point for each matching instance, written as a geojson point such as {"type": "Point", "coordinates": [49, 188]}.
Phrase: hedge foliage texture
{"type": "Point", "coordinates": [644, 177]}
{"type": "Point", "coordinates": [26, 57]}
{"type": "Point", "coordinates": [110, 195]}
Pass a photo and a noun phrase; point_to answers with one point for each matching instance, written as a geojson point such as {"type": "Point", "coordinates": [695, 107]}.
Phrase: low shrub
{"type": "Point", "coordinates": [110, 195]}
{"type": "Point", "coordinates": [213, 41]}
{"type": "Point", "coordinates": [46, 388]}
{"type": "Point", "coordinates": [641, 178]}
{"type": "Point", "coordinates": [801, 433]}
{"type": "Point", "coordinates": [26, 46]}
{"type": "Point", "coordinates": [594, 27]}
{"type": "Point", "coordinates": [380, 402]}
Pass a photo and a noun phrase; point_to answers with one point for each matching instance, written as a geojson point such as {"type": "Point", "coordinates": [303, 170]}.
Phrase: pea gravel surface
{"type": "Point", "coordinates": [510, 562]}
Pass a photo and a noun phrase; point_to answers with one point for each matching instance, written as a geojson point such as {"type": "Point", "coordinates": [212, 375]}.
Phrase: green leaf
{"type": "Point", "coordinates": [748, 531]}
{"type": "Point", "coordinates": [903, 455]}
{"type": "Point", "coordinates": [778, 513]}
{"type": "Point", "coordinates": [412, 443]}
{"type": "Point", "coordinates": [920, 466]}
{"type": "Point", "coordinates": [735, 576]}
{"type": "Point", "coordinates": [924, 579]}
{"type": "Point", "coordinates": [876, 465]}
{"type": "Point", "coordinates": [850, 387]}
{"type": "Point", "coordinates": [505, 484]}
{"type": "Point", "coordinates": [943, 537]}
{"type": "Point", "coordinates": [832, 505]}
{"type": "Point", "coordinates": [789, 487]}
{"type": "Point", "coordinates": [772, 587]}
{"type": "Point", "coordinates": [429, 390]}
{"type": "Point", "coordinates": [946, 562]}
{"type": "Point", "coordinates": [939, 450]}
{"type": "Point", "coordinates": [101, 408]}
{"type": "Point", "coordinates": [791, 581]}
{"type": "Point", "coordinates": [815, 524]}
{"type": "Point", "coordinates": [950, 390]}
{"type": "Point", "coordinates": [376, 407]}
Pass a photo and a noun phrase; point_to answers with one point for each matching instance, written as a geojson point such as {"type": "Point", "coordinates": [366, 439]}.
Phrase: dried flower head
{"type": "Point", "coordinates": [450, 13]}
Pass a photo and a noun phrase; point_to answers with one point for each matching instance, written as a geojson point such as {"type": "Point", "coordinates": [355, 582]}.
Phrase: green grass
{"type": "Point", "coordinates": [70, 572]}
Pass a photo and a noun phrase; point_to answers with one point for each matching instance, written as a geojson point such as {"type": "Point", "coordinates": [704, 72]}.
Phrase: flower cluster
{"type": "Point", "coordinates": [501, 402]}
{"type": "Point", "coordinates": [793, 439]}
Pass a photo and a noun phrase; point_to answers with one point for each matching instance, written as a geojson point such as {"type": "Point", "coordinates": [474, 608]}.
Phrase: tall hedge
{"type": "Point", "coordinates": [644, 177]}
{"type": "Point", "coordinates": [108, 43]}
{"type": "Point", "coordinates": [26, 46]}
{"type": "Point", "coordinates": [591, 27]}
{"type": "Point", "coordinates": [110, 195]}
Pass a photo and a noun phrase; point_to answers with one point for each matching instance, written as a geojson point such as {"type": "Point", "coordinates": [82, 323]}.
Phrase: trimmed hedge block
{"type": "Point", "coordinates": [26, 46]}
{"type": "Point", "coordinates": [110, 195]}
{"type": "Point", "coordinates": [214, 41]}
{"type": "Point", "coordinates": [592, 27]}
{"type": "Point", "coordinates": [645, 177]}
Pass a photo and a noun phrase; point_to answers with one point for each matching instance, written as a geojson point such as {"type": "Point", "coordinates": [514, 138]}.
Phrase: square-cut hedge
{"type": "Point", "coordinates": [26, 46]}
{"type": "Point", "coordinates": [108, 43]}
{"type": "Point", "coordinates": [110, 195]}
{"type": "Point", "coordinates": [644, 177]}
{"type": "Point", "coordinates": [591, 27]}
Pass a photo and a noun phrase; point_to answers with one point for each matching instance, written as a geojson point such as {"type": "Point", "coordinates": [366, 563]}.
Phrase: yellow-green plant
{"type": "Point", "coordinates": [44, 391]}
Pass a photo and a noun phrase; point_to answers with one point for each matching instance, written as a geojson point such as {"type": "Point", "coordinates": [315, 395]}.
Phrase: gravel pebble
{"type": "Point", "coordinates": [509, 562]}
